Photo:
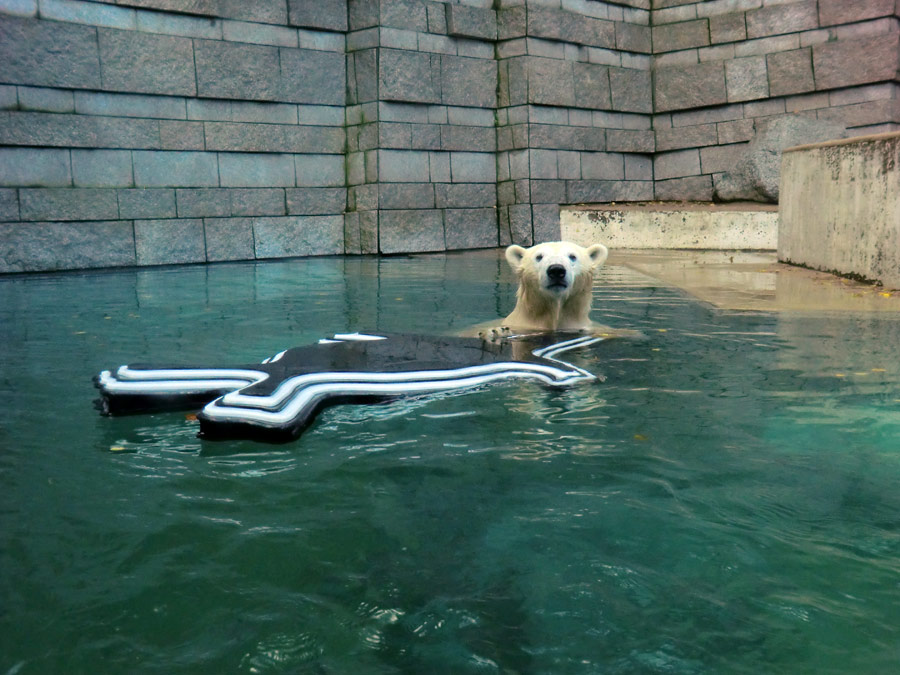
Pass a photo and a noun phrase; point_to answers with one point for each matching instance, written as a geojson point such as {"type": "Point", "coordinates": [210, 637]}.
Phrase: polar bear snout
{"type": "Point", "coordinates": [557, 277]}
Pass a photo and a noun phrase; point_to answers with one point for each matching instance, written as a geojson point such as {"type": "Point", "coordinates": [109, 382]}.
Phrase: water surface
{"type": "Point", "coordinates": [724, 502]}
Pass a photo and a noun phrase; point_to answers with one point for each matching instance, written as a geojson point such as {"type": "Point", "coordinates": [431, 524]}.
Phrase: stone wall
{"type": "Point", "coordinates": [142, 132]}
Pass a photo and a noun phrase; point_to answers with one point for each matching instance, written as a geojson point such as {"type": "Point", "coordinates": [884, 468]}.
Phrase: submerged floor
{"type": "Point", "coordinates": [744, 280]}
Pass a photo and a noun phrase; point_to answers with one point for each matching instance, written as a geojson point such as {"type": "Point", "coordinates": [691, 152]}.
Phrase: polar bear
{"type": "Point", "coordinates": [555, 286]}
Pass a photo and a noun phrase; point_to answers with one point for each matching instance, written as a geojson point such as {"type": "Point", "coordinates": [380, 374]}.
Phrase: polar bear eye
{"type": "Point", "coordinates": [572, 257]}
{"type": "Point", "coordinates": [539, 257]}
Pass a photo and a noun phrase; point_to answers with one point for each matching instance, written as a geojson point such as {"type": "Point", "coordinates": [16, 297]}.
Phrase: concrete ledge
{"type": "Point", "coordinates": [669, 225]}
{"type": "Point", "coordinates": [840, 207]}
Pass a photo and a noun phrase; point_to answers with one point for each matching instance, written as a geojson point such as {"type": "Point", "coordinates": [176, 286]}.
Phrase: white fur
{"type": "Point", "coordinates": [555, 282]}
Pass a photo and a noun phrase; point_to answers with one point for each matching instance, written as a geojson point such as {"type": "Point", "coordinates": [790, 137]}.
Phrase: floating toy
{"type": "Point", "coordinates": [277, 399]}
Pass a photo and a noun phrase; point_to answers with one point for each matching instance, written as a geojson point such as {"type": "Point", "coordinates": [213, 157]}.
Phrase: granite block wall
{"type": "Point", "coordinates": [152, 132]}
{"type": "Point", "coordinates": [723, 69]}
{"type": "Point", "coordinates": [136, 132]}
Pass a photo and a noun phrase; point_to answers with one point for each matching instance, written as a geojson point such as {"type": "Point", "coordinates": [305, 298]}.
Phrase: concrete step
{"type": "Point", "coordinates": [673, 225]}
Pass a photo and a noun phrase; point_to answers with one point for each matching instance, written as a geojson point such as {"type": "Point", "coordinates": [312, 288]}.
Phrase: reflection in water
{"type": "Point", "coordinates": [725, 501]}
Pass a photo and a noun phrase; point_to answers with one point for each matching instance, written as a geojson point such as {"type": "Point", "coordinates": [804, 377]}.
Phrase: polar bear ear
{"type": "Point", "coordinates": [598, 254]}
{"type": "Point", "coordinates": [515, 255]}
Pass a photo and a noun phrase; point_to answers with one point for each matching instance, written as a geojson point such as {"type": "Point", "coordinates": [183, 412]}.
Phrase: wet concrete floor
{"type": "Point", "coordinates": [744, 280]}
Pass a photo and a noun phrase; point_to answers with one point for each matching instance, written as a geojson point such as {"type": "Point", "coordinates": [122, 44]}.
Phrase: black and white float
{"type": "Point", "coordinates": [277, 399]}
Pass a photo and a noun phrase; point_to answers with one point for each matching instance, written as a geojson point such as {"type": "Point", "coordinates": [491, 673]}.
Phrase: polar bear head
{"type": "Point", "coordinates": [556, 269]}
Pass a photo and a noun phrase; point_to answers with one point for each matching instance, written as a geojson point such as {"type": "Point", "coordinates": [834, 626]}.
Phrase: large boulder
{"type": "Point", "coordinates": [756, 175]}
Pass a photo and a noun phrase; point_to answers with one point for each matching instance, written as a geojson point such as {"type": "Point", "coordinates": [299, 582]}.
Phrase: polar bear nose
{"type": "Point", "coordinates": [556, 272]}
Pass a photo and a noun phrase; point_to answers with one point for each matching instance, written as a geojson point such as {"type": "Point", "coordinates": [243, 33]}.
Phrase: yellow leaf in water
{"type": "Point", "coordinates": [878, 370]}
{"type": "Point", "coordinates": [80, 332]}
{"type": "Point", "coordinates": [663, 330]}
{"type": "Point", "coordinates": [191, 417]}
{"type": "Point", "coordinates": [885, 294]}
{"type": "Point", "coordinates": [116, 448]}
{"type": "Point", "coordinates": [839, 375]}
{"type": "Point", "coordinates": [640, 437]}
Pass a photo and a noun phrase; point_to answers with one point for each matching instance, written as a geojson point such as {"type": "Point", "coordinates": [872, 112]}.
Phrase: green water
{"type": "Point", "coordinates": [725, 502]}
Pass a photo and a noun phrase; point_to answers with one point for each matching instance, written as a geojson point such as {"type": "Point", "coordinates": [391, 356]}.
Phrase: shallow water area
{"type": "Point", "coordinates": [724, 501]}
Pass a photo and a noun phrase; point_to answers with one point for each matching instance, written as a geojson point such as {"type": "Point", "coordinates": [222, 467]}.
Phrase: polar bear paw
{"type": "Point", "coordinates": [495, 334]}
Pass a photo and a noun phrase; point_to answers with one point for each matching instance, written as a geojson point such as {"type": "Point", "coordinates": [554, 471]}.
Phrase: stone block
{"type": "Point", "coordinates": [27, 167]}
{"type": "Point", "coordinates": [630, 140]}
{"type": "Point", "coordinates": [602, 166]}
{"type": "Point", "coordinates": [175, 169]}
{"type": "Point", "coordinates": [409, 14]}
{"type": "Point", "coordinates": [311, 76]}
{"type": "Point", "coordinates": [471, 22]}
{"type": "Point", "coordinates": [542, 164]}
{"type": "Point", "coordinates": [470, 228]}
{"type": "Point", "coordinates": [368, 232]}
{"type": "Point", "coordinates": [179, 135]}
{"type": "Point", "coordinates": [847, 63]}
{"type": "Point", "coordinates": [790, 72]}
{"type": "Point", "coordinates": [351, 234]}
{"type": "Point", "coordinates": [256, 170]}
{"type": "Point", "coordinates": [43, 99]}
{"type": "Point", "coordinates": [553, 24]}
{"type": "Point", "coordinates": [745, 79]}
{"type": "Point", "coordinates": [397, 166]}
{"type": "Point", "coordinates": [477, 139]}
{"type": "Point", "coordinates": [146, 203]}
{"type": "Point", "coordinates": [638, 167]}
{"type": "Point", "coordinates": [411, 231]}
{"type": "Point", "coordinates": [783, 18]}
{"type": "Point", "coordinates": [255, 33]}
{"type": "Point", "coordinates": [727, 28]}
{"type": "Point", "coordinates": [68, 204]}
{"type": "Point", "coordinates": [9, 204]}
{"type": "Point", "coordinates": [735, 131]}
{"type": "Point", "coordinates": [835, 12]}
{"type": "Point", "coordinates": [548, 191]}
{"type": "Point", "coordinates": [550, 82]}
{"type": "Point", "coordinates": [49, 54]}
{"type": "Point", "coordinates": [146, 63]}
{"type": "Point", "coordinates": [545, 222]}
{"type": "Point", "coordinates": [316, 201]}
{"type": "Point", "coordinates": [408, 76]}
{"type": "Point", "coordinates": [128, 105]}
{"type": "Point", "coordinates": [298, 236]}
{"type": "Point", "coordinates": [631, 90]}
{"type": "Point", "coordinates": [437, 18]}
{"type": "Point", "coordinates": [320, 170]}
{"type": "Point", "coordinates": [102, 168]}
{"type": "Point", "coordinates": [240, 137]}
{"type": "Point", "coordinates": [49, 246]}
{"type": "Point", "coordinates": [262, 11]}
{"type": "Point", "coordinates": [169, 242]}
{"type": "Point", "coordinates": [568, 164]}
{"type": "Point", "coordinates": [677, 138]}
{"type": "Point", "coordinates": [406, 196]}
{"type": "Point", "coordinates": [676, 164]}
{"type": "Point", "coordinates": [677, 36]}
{"type": "Point", "coordinates": [200, 202]}
{"type": "Point", "coordinates": [166, 23]}
{"type": "Point", "coordinates": [324, 14]}
{"type": "Point", "coordinates": [465, 195]}
{"type": "Point", "coordinates": [468, 82]}
{"type": "Point", "coordinates": [694, 86]}
{"type": "Point", "coordinates": [9, 99]}
{"type": "Point", "coordinates": [229, 239]}
{"type": "Point", "coordinates": [511, 23]}
{"type": "Point", "coordinates": [633, 38]}
{"type": "Point", "coordinates": [694, 188]}
{"type": "Point", "coordinates": [591, 86]}
{"type": "Point", "coordinates": [257, 201]}
{"type": "Point", "coordinates": [46, 129]}
{"type": "Point", "coordinates": [720, 158]}
{"type": "Point", "coordinates": [520, 225]}
{"type": "Point", "coordinates": [473, 167]}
